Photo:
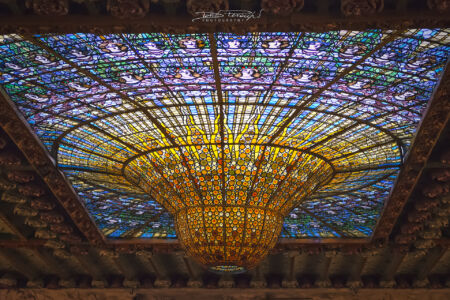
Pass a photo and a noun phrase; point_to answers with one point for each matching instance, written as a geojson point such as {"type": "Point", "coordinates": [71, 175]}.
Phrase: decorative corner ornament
{"type": "Point", "coordinates": [162, 283]}
{"type": "Point", "coordinates": [192, 283]}
{"type": "Point", "coordinates": [282, 7]}
{"type": "Point", "coordinates": [439, 5]}
{"type": "Point", "coordinates": [196, 6]}
{"type": "Point", "coordinates": [127, 9]}
{"type": "Point", "coordinates": [355, 8]}
{"type": "Point", "coordinates": [48, 7]}
{"type": "Point", "coordinates": [290, 284]}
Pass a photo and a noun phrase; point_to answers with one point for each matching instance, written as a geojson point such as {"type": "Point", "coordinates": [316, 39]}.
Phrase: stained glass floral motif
{"type": "Point", "coordinates": [129, 117]}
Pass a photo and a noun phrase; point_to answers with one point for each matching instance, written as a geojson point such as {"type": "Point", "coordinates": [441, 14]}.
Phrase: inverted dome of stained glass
{"type": "Point", "coordinates": [230, 134]}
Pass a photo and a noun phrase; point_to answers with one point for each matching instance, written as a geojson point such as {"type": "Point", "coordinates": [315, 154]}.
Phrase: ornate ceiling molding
{"type": "Point", "coordinates": [361, 7]}
{"type": "Point", "coordinates": [336, 292]}
{"type": "Point", "coordinates": [183, 24]}
{"type": "Point", "coordinates": [12, 122]}
{"type": "Point", "coordinates": [174, 16]}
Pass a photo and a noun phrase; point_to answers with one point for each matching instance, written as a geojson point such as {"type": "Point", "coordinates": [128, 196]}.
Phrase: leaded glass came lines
{"type": "Point", "coordinates": [135, 119]}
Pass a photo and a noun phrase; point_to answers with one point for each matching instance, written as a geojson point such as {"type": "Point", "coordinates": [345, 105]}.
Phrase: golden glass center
{"type": "Point", "coordinates": [228, 205]}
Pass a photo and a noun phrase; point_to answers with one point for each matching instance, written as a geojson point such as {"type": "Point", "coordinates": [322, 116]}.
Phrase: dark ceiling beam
{"type": "Point", "coordinates": [55, 265]}
{"type": "Point", "coordinates": [12, 227]}
{"type": "Point", "coordinates": [395, 260]}
{"type": "Point", "coordinates": [145, 258]}
{"type": "Point", "coordinates": [91, 267]}
{"type": "Point", "coordinates": [326, 269]}
{"type": "Point", "coordinates": [125, 267]}
{"type": "Point", "coordinates": [218, 81]}
{"type": "Point", "coordinates": [326, 241]}
{"type": "Point", "coordinates": [35, 243]}
{"type": "Point", "coordinates": [292, 261]}
{"type": "Point", "coordinates": [188, 266]}
{"type": "Point", "coordinates": [432, 259]}
{"type": "Point", "coordinates": [19, 263]}
{"type": "Point", "coordinates": [359, 264]}
{"type": "Point", "coordinates": [20, 132]}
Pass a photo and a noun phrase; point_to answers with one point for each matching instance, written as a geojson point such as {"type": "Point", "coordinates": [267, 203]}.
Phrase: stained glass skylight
{"type": "Point", "coordinates": [125, 115]}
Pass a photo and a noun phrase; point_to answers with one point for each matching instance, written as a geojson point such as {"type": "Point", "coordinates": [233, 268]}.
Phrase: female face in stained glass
{"type": "Point", "coordinates": [191, 45]}
{"type": "Point", "coordinates": [362, 83]}
{"type": "Point", "coordinates": [186, 74]}
{"type": "Point", "coordinates": [42, 59]}
{"type": "Point", "coordinates": [307, 76]}
{"type": "Point", "coordinates": [153, 48]}
{"type": "Point", "coordinates": [274, 45]}
{"type": "Point", "coordinates": [79, 54]}
{"type": "Point", "coordinates": [130, 78]}
{"type": "Point", "coordinates": [233, 44]}
{"type": "Point", "coordinates": [405, 95]}
{"type": "Point", "coordinates": [37, 98]}
{"type": "Point", "coordinates": [16, 67]}
{"type": "Point", "coordinates": [248, 74]}
{"type": "Point", "coordinates": [313, 46]}
{"type": "Point", "coordinates": [293, 215]}
{"type": "Point", "coordinates": [351, 50]}
{"type": "Point", "coordinates": [310, 48]}
{"type": "Point", "coordinates": [420, 62]}
{"type": "Point", "coordinates": [113, 48]}
{"type": "Point", "coordinates": [386, 55]}
{"type": "Point", "coordinates": [78, 87]}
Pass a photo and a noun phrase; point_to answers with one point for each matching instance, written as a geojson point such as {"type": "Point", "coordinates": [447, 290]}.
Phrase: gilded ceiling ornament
{"type": "Point", "coordinates": [12, 197]}
{"type": "Point", "coordinates": [70, 238]}
{"type": "Point", "coordinates": [127, 9]}
{"type": "Point", "coordinates": [20, 176]}
{"type": "Point", "coordinates": [44, 234]}
{"type": "Point", "coordinates": [439, 5]}
{"type": "Point", "coordinates": [42, 204]}
{"type": "Point", "coordinates": [49, 7]}
{"type": "Point", "coordinates": [61, 228]}
{"type": "Point", "coordinates": [55, 244]}
{"type": "Point", "coordinates": [282, 7]}
{"type": "Point", "coordinates": [35, 222]}
{"type": "Point", "coordinates": [51, 217]}
{"type": "Point", "coordinates": [197, 6]}
{"type": "Point", "coordinates": [24, 210]}
{"type": "Point", "coordinates": [361, 7]}
{"type": "Point", "coordinates": [4, 183]}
